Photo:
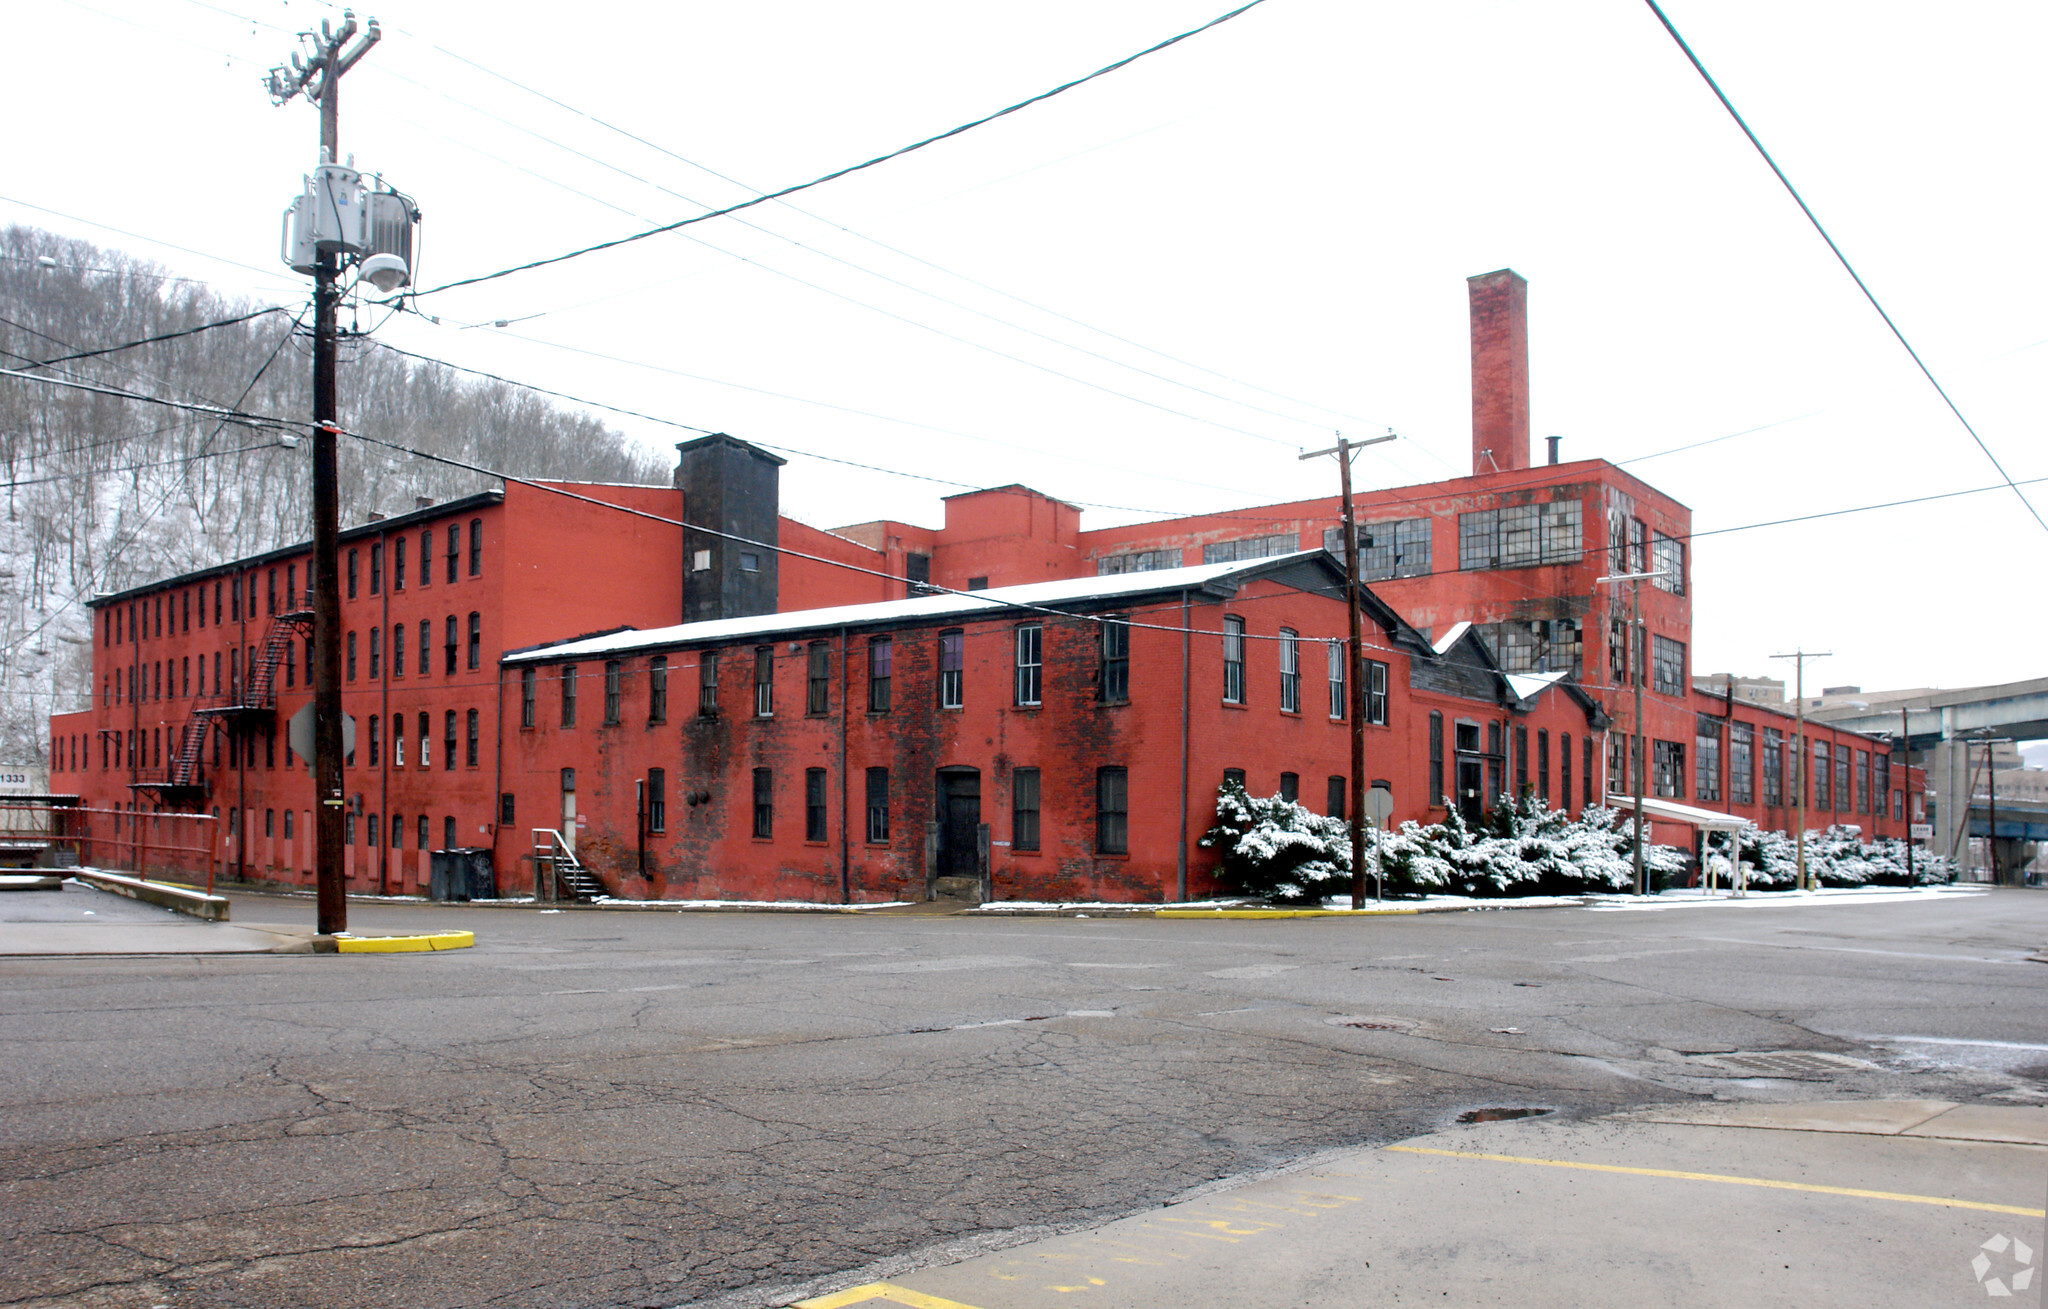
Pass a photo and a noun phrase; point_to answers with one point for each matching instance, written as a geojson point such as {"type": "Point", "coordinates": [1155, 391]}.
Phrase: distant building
{"type": "Point", "coordinates": [1752, 690]}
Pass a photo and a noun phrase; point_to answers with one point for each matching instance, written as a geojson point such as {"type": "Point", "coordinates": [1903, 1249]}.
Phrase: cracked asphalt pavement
{"type": "Point", "coordinates": [657, 1109]}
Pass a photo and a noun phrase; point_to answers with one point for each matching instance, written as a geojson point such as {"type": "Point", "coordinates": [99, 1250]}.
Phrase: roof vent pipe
{"type": "Point", "coordinates": [1553, 446]}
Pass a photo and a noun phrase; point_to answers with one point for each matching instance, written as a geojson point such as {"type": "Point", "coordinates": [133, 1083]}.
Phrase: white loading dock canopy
{"type": "Point", "coordinates": [1670, 811]}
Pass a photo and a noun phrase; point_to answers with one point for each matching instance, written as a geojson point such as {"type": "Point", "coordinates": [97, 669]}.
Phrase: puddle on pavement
{"type": "Point", "coordinates": [1500, 1115]}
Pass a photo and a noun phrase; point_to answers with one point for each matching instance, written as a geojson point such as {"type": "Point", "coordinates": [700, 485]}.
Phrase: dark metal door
{"type": "Point", "coordinates": [959, 819]}
{"type": "Point", "coordinates": [1470, 801]}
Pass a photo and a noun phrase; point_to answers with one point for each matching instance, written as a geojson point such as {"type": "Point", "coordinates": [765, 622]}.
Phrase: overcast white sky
{"type": "Point", "coordinates": [1291, 201]}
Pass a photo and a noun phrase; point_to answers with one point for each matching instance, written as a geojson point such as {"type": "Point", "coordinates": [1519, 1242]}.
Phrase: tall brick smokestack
{"type": "Point", "coordinates": [1500, 371]}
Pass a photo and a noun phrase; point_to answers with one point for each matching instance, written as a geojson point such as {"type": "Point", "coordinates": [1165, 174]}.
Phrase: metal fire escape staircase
{"type": "Point", "coordinates": [182, 780]}
{"type": "Point", "coordinates": [564, 874]}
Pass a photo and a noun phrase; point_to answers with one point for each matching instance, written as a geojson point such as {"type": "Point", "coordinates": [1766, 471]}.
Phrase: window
{"type": "Point", "coordinates": [454, 549]}
{"type": "Point", "coordinates": [1741, 763]}
{"type": "Point", "coordinates": [351, 663]}
{"type": "Point", "coordinates": [351, 585]}
{"type": "Point", "coordinates": [1339, 698]}
{"type": "Point", "coordinates": [476, 640]}
{"type": "Point", "coordinates": [764, 804]}
{"type": "Point", "coordinates": [814, 804]}
{"type": "Point", "coordinates": [1333, 797]}
{"type": "Point", "coordinates": [1844, 778]}
{"type": "Point", "coordinates": [1517, 536]}
{"type": "Point", "coordinates": [1375, 692]}
{"type": "Point", "coordinates": [398, 740]}
{"type": "Point", "coordinates": [427, 556]}
{"type": "Point", "coordinates": [398, 831]}
{"type": "Point", "coordinates": [764, 681]}
{"type": "Point", "coordinates": [1564, 771]}
{"type": "Point", "coordinates": [881, 656]}
{"type": "Point", "coordinates": [1521, 762]}
{"type": "Point", "coordinates": [1436, 758]}
{"type": "Point", "coordinates": [878, 806]}
{"type": "Point", "coordinates": [1638, 546]}
{"type": "Point", "coordinates": [1113, 681]}
{"type": "Point", "coordinates": [707, 682]}
{"type": "Point", "coordinates": [375, 755]}
{"type": "Point", "coordinates": [507, 808]}
{"type": "Point", "coordinates": [448, 832]}
{"type": "Point", "coordinates": [476, 547]}
{"type": "Point", "coordinates": [1667, 672]}
{"type": "Point", "coordinates": [977, 583]}
{"type": "Point", "coordinates": [376, 653]}
{"type": "Point", "coordinates": [750, 562]}
{"type": "Point", "coordinates": [1142, 561]}
{"type": "Point", "coordinates": [1863, 783]}
{"type": "Point", "coordinates": [1386, 550]}
{"type": "Point", "coordinates": [657, 800]}
{"type": "Point", "coordinates": [1233, 661]}
{"type": "Point", "coordinates": [469, 754]}
{"type": "Point", "coordinates": [1881, 785]}
{"type": "Point", "coordinates": [1543, 765]}
{"type": "Point", "coordinates": [1706, 758]}
{"type": "Point", "coordinates": [426, 649]}
{"type": "Point", "coordinates": [657, 689]}
{"type": "Point", "coordinates": [1541, 645]}
{"type": "Point", "coordinates": [448, 645]}
{"type": "Point", "coordinates": [818, 678]}
{"type": "Point", "coordinates": [528, 678]}
{"type": "Point", "coordinates": [1667, 559]}
{"type": "Point", "coordinates": [398, 564]}
{"type": "Point", "coordinates": [952, 668]}
{"type": "Point", "coordinates": [397, 649]}
{"type": "Point", "coordinates": [1112, 811]}
{"type": "Point", "coordinates": [917, 570]}
{"type": "Point", "coordinates": [371, 833]}
{"type": "Point", "coordinates": [1617, 764]}
{"type": "Point", "coordinates": [269, 605]}
{"type": "Point", "coordinates": [287, 824]}
{"type": "Point", "coordinates": [1233, 777]}
{"type": "Point", "coordinates": [216, 607]}
{"type": "Point", "coordinates": [1290, 671]}
{"type": "Point", "coordinates": [1822, 775]}
{"type": "Point", "coordinates": [1030, 641]}
{"type": "Point", "coordinates": [568, 695]}
{"type": "Point", "coordinates": [1250, 547]}
{"type": "Point", "coordinates": [1290, 787]}
{"type": "Point", "coordinates": [1024, 809]}
{"type": "Point", "coordinates": [376, 574]}
{"type": "Point", "coordinates": [614, 675]}
{"type": "Point", "coordinates": [1586, 753]}
{"type": "Point", "coordinates": [448, 739]}
{"type": "Point", "coordinates": [1667, 760]}
{"type": "Point", "coordinates": [1774, 767]}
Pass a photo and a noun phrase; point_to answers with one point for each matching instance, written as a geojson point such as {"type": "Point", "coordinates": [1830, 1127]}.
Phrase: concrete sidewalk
{"type": "Point", "coordinates": [1872, 1202]}
{"type": "Point", "coordinates": [76, 919]}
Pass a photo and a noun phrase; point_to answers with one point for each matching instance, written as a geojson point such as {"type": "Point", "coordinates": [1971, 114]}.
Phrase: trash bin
{"type": "Point", "coordinates": [463, 873]}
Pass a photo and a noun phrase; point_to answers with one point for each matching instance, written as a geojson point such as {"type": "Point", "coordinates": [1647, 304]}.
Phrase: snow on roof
{"type": "Point", "coordinates": [1674, 812]}
{"type": "Point", "coordinates": [1448, 639]}
{"type": "Point", "coordinates": [1529, 685]}
{"type": "Point", "coordinates": [973, 604]}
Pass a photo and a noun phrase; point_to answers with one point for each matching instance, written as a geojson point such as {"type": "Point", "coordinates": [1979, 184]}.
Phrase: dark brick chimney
{"type": "Point", "coordinates": [1500, 371]}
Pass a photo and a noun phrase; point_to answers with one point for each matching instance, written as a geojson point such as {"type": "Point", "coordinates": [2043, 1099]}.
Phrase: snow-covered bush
{"type": "Point", "coordinates": [1838, 857]}
{"type": "Point", "coordinates": [1276, 848]}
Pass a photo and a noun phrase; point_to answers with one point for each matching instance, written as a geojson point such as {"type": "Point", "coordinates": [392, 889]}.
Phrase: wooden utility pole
{"type": "Point", "coordinates": [318, 76]}
{"type": "Point", "coordinates": [1802, 754]}
{"type": "Point", "coordinates": [1354, 810]}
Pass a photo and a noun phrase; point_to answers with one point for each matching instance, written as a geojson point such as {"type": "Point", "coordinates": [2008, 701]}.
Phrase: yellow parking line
{"type": "Point", "coordinates": [1734, 1181]}
{"type": "Point", "coordinates": [880, 1293]}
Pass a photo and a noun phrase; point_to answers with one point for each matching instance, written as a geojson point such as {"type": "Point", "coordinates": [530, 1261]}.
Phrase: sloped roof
{"type": "Point", "coordinates": [1220, 580]}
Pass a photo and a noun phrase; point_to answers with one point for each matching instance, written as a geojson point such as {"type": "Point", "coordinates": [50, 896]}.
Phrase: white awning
{"type": "Point", "coordinates": [1670, 811]}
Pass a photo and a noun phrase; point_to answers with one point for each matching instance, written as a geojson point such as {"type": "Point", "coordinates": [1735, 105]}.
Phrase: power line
{"type": "Point", "coordinates": [136, 468]}
{"type": "Point", "coordinates": [211, 411]}
{"type": "Point", "coordinates": [1844, 261]}
{"type": "Point", "coordinates": [152, 340]}
{"type": "Point", "coordinates": [851, 168]}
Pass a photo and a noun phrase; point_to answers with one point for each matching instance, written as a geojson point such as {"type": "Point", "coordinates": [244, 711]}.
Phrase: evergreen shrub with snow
{"type": "Point", "coordinates": [1278, 850]}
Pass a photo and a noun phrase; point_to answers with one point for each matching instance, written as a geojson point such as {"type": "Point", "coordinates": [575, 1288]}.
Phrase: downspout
{"type": "Point", "coordinates": [384, 712]}
{"type": "Point", "coordinates": [498, 769]}
{"type": "Point", "coordinates": [845, 788]}
{"type": "Point", "coordinates": [1186, 674]}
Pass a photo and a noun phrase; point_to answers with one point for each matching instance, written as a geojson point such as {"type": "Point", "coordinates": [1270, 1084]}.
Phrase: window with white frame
{"type": "Point", "coordinates": [1340, 705]}
{"type": "Point", "coordinates": [1233, 661]}
{"type": "Point", "coordinates": [1375, 688]}
{"type": "Point", "coordinates": [1290, 671]}
{"type": "Point", "coordinates": [1030, 663]}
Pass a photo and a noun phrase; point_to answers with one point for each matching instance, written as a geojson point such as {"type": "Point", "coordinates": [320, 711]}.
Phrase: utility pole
{"type": "Point", "coordinates": [1638, 655]}
{"type": "Point", "coordinates": [318, 76]}
{"type": "Point", "coordinates": [1906, 785]}
{"type": "Point", "coordinates": [1801, 753]}
{"type": "Point", "coordinates": [1355, 681]}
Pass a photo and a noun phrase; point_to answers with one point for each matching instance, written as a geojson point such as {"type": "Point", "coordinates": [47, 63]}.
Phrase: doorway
{"type": "Point", "coordinates": [959, 822]}
{"type": "Point", "coordinates": [1471, 800]}
{"type": "Point", "coordinates": [569, 810]}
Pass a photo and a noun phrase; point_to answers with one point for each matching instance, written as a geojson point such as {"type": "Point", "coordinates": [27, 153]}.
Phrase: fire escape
{"type": "Point", "coordinates": [247, 701]}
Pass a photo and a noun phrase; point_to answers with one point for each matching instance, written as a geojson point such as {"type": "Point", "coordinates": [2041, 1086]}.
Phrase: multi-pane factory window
{"type": "Point", "coordinates": [1518, 536]}
{"type": "Point", "coordinates": [1668, 761]}
{"type": "Point", "coordinates": [1706, 758]}
{"type": "Point", "coordinates": [1774, 767]}
{"type": "Point", "coordinates": [1667, 559]}
{"type": "Point", "coordinates": [1741, 763]}
{"type": "Point", "coordinates": [1386, 550]}
{"type": "Point", "coordinates": [1823, 775]}
{"type": "Point", "coordinates": [1544, 645]}
{"type": "Point", "coordinates": [1113, 680]}
{"type": "Point", "coordinates": [1667, 669]}
{"type": "Point", "coordinates": [1140, 561]}
{"type": "Point", "coordinates": [1250, 547]}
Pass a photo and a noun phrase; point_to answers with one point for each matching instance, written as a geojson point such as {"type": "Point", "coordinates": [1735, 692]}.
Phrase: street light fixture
{"type": "Point", "coordinates": [1636, 657]}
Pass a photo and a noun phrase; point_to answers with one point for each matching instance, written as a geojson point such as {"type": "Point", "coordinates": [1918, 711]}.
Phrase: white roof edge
{"type": "Point", "coordinates": [1672, 811]}
{"type": "Point", "coordinates": [964, 604]}
{"type": "Point", "coordinates": [1450, 638]}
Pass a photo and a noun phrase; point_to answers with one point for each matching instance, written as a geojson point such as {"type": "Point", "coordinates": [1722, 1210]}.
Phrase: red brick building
{"type": "Point", "coordinates": [1061, 740]}
{"type": "Point", "coordinates": [197, 675]}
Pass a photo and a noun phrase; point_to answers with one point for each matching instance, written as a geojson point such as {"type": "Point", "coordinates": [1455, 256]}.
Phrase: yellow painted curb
{"type": "Point", "coordinates": [403, 944]}
{"type": "Point", "coordinates": [1277, 913]}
